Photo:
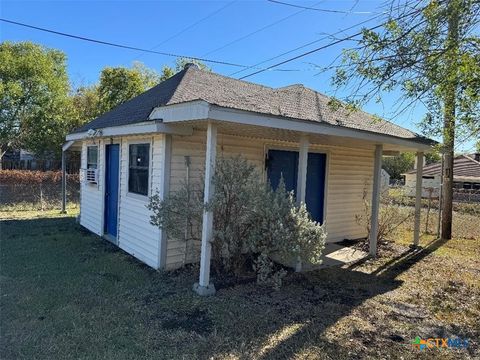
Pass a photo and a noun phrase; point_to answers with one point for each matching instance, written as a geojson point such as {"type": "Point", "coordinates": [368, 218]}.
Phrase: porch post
{"type": "Point", "coordinates": [302, 180]}
{"type": "Point", "coordinates": [377, 173]}
{"type": "Point", "coordinates": [418, 199]}
{"type": "Point", "coordinates": [302, 170]}
{"type": "Point", "coordinates": [204, 287]}
{"type": "Point", "coordinates": [64, 183]}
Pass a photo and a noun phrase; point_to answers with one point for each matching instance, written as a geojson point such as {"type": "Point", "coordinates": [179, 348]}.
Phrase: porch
{"type": "Point", "coordinates": [366, 175]}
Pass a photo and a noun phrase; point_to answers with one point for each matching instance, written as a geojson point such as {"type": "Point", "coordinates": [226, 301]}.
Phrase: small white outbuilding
{"type": "Point", "coordinates": [177, 129]}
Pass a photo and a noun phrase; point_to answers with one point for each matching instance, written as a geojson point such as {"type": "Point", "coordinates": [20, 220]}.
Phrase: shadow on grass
{"type": "Point", "coordinates": [354, 288]}
{"type": "Point", "coordinates": [278, 324]}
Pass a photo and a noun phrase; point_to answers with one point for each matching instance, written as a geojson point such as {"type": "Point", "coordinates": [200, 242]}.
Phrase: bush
{"type": "Point", "coordinates": [250, 221]}
{"type": "Point", "coordinates": [391, 215]}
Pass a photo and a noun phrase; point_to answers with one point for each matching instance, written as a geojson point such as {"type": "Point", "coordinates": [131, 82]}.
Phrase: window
{"type": "Point", "coordinates": [92, 157]}
{"type": "Point", "coordinates": [138, 168]}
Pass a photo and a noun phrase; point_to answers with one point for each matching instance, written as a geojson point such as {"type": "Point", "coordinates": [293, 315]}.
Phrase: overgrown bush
{"type": "Point", "coordinates": [391, 216]}
{"type": "Point", "coordinates": [251, 220]}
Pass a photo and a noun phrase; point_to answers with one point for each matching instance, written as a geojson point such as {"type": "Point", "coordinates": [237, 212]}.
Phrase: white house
{"type": "Point", "coordinates": [178, 128]}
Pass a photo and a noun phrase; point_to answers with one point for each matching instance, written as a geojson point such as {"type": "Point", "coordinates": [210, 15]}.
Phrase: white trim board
{"type": "Point", "coordinates": [136, 129]}
{"type": "Point", "coordinates": [201, 110]}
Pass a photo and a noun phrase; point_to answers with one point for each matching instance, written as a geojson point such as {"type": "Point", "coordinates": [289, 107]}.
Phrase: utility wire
{"type": "Point", "coordinates": [350, 37]}
{"type": "Point", "coordinates": [322, 10]}
{"type": "Point", "coordinates": [193, 25]}
{"type": "Point", "coordinates": [219, 62]}
{"type": "Point", "coordinates": [255, 32]}
{"type": "Point", "coordinates": [123, 46]}
{"type": "Point", "coordinates": [305, 45]}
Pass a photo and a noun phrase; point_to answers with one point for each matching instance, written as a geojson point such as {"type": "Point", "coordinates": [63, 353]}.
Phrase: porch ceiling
{"type": "Point", "coordinates": [274, 134]}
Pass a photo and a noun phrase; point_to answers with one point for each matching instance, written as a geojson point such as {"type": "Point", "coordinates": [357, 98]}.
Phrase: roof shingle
{"type": "Point", "coordinates": [295, 102]}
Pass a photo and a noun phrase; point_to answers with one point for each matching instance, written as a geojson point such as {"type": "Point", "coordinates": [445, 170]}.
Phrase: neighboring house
{"type": "Point", "coordinates": [150, 143]}
{"type": "Point", "coordinates": [466, 175]}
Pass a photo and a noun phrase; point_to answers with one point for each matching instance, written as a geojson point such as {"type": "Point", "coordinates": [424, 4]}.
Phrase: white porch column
{"type": "Point", "coordinates": [418, 198]}
{"type": "Point", "coordinates": [204, 287]}
{"type": "Point", "coordinates": [163, 191]}
{"type": "Point", "coordinates": [64, 183]}
{"type": "Point", "coordinates": [301, 180]}
{"type": "Point", "coordinates": [377, 174]}
{"type": "Point", "coordinates": [302, 170]}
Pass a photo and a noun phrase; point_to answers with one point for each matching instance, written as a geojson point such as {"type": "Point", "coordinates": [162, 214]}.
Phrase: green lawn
{"type": "Point", "coordinates": [68, 294]}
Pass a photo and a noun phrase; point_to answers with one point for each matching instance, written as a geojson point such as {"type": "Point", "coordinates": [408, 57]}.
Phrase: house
{"type": "Point", "coordinates": [466, 176]}
{"type": "Point", "coordinates": [177, 129]}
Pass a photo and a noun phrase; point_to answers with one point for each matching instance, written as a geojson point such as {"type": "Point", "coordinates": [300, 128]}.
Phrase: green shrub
{"type": "Point", "coordinates": [250, 220]}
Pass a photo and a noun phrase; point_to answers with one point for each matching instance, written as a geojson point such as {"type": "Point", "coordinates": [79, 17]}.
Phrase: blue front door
{"type": "Point", "coordinates": [111, 188]}
{"type": "Point", "coordinates": [284, 164]}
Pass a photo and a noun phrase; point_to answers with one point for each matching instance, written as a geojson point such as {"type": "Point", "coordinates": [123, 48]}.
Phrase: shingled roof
{"type": "Point", "coordinates": [294, 102]}
{"type": "Point", "coordinates": [463, 166]}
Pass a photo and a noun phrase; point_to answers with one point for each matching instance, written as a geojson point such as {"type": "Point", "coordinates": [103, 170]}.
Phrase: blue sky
{"type": "Point", "coordinates": [146, 24]}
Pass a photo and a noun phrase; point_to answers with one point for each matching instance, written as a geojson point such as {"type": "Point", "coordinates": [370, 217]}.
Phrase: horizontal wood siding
{"type": "Point", "coordinates": [135, 233]}
{"type": "Point", "coordinates": [91, 195]}
{"type": "Point", "coordinates": [349, 172]}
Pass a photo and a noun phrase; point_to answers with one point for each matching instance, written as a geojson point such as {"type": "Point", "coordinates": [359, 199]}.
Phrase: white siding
{"type": "Point", "coordinates": [349, 172]}
{"type": "Point", "coordinates": [135, 233]}
{"type": "Point", "coordinates": [91, 195]}
{"type": "Point", "coordinates": [428, 185]}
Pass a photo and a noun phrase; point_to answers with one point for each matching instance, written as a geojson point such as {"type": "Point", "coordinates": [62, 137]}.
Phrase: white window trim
{"type": "Point", "coordinates": [132, 195]}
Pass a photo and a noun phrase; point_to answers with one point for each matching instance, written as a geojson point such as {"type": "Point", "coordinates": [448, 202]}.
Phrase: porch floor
{"type": "Point", "coordinates": [337, 255]}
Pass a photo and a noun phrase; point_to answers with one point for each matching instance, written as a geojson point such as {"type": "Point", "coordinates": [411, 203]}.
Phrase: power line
{"type": "Point", "coordinates": [350, 37]}
{"type": "Point", "coordinates": [305, 45]}
{"type": "Point", "coordinates": [255, 32]}
{"type": "Point", "coordinates": [194, 24]}
{"type": "Point", "coordinates": [322, 10]}
{"type": "Point", "coordinates": [123, 46]}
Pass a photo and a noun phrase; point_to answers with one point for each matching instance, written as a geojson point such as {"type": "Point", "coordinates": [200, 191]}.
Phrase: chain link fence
{"type": "Point", "coordinates": [466, 210]}
{"type": "Point", "coordinates": [36, 190]}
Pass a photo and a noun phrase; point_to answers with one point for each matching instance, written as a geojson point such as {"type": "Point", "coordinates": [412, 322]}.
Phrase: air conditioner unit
{"type": "Point", "coordinates": [91, 176]}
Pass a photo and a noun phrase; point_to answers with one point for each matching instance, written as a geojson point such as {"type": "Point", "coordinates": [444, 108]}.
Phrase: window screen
{"type": "Point", "coordinates": [139, 161]}
{"type": "Point", "coordinates": [92, 157]}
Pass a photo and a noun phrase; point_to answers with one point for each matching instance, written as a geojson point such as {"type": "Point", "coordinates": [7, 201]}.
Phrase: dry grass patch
{"type": "Point", "coordinates": [69, 294]}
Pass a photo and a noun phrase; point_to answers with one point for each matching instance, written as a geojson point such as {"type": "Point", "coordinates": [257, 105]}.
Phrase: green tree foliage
{"type": "Point", "coordinates": [35, 110]}
{"type": "Point", "coordinates": [86, 103]}
{"type": "Point", "coordinates": [397, 165]}
{"type": "Point", "coordinates": [428, 51]}
{"type": "Point", "coordinates": [120, 84]}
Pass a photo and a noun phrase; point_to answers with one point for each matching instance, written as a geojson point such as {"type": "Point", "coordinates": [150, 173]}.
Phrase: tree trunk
{"type": "Point", "coordinates": [449, 117]}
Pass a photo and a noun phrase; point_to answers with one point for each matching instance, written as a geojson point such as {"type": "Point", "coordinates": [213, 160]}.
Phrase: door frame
{"type": "Point", "coordinates": [312, 149]}
{"type": "Point", "coordinates": [105, 234]}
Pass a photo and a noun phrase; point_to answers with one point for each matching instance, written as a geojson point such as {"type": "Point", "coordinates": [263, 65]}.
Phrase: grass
{"type": "Point", "coordinates": [66, 293]}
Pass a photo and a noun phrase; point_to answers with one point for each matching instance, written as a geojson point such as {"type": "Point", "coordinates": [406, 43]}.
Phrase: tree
{"type": "Point", "coordinates": [34, 105]}
{"type": "Point", "coordinates": [477, 146]}
{"type": "Point", "coordinates": [395, 166]}
{"type": "Point", "coordinates": [182, 61]}
{"type": "Point", "coordinates": [117, 85]}
{"type": "Point", "coordinates": [429, 51]}
{"type": "Point", "coordinates": [86, 103]}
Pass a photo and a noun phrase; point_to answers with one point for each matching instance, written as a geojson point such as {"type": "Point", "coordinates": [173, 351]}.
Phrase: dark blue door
{"type": "Point", "coordinates": [111, 188]}
{"type": "Point", "coordinates": [315, 192]}
{"type": "Point", "coordinates": [284, 164]}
